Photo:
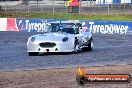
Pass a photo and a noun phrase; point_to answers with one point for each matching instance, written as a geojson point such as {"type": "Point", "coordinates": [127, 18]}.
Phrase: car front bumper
{"type": "Point", "coordinates": [59, 47]}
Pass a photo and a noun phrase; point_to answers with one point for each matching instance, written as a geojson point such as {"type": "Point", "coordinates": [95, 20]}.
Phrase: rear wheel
{"type": "Point", "coordinates": [90, 45]}
{"type": "Point", "coordinates": [33, 53]}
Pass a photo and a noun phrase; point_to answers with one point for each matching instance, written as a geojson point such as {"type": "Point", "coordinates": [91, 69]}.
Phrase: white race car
{"type": "Point", "coordinates": [63, 36]}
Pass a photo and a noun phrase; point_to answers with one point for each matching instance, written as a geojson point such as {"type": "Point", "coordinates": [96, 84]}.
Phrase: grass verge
{"type": "Point", "coordinates": [66, 16]}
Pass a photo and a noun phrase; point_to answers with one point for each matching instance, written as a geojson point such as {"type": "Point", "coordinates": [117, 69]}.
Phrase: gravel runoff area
{"type": "Point", "coordinates": [60, 78]}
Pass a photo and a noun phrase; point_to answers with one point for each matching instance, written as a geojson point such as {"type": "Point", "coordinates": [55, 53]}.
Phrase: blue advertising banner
{"type": "Point", "coordinates": [31, 25]}
{"type": "Point", "coordinates": [107, 27]}
{"type": "Point", "coordinates": [103, 27]}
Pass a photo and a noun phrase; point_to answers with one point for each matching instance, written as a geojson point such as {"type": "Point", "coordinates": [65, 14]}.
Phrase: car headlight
{"type": "Point", "coordinates": [32, 39]}
{"type": "Point", "coordinates": [65, 39]}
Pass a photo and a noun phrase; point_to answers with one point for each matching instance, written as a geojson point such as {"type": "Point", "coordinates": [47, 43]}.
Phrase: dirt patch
{"type": "Point", "coordinates": [60, 78]}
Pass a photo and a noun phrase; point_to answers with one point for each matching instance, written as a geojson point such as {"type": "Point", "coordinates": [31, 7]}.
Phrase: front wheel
{"type": "Point", "coordinates": [33, 53]}
{"type": "Point", "coordinates": [75, 48]}
{"type": "Point", "coordinates": [76, 45]}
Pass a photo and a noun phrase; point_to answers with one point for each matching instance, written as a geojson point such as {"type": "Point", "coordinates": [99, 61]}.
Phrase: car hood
{"type": "Point", "coordinates": [49, 37]}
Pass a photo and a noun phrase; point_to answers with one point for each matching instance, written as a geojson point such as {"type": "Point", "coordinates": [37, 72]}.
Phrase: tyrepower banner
{"type": "Point", "coordinates": [39, 25]}
{"type": "Point", "coordinates": [107, 27]}
{"type": "Point", "coordinates": [31, 25]}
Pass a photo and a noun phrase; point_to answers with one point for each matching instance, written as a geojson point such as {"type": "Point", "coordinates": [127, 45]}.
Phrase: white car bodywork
{"type": "Point", "coordinates": [60, 41]}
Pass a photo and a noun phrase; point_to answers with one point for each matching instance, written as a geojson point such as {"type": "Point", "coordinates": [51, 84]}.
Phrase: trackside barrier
{"type": "Point", "coordinates": [38, 25]}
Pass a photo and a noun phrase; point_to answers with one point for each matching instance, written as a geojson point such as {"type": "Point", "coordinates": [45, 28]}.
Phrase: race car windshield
{"type": "Point", "coordinates": [65, 27]}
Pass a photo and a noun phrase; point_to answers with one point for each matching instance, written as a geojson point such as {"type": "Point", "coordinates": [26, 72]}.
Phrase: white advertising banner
{"type": "Point", "coordinates": [3, 24]}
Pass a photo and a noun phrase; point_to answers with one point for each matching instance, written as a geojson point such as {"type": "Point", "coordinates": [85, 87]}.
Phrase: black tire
{"type": "Point", "coordinates": [80, 80]}
{"type": "Point", "coordinates": [90, 46]}
{"type": "Point", "coordinates": [0, 8]}
{"type": "Point", "coordinates": [75, 46]}
{"type": "Point", "coordinates": [33, 53]}
{"type": "Point", "coordinates": [75, 51]}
